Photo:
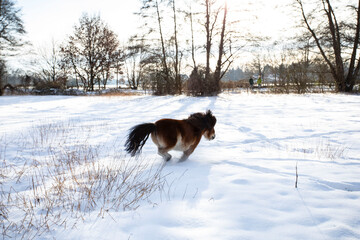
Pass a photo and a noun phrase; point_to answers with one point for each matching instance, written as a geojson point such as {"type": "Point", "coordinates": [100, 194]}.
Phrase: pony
{"type": "Point", "coordinates": [171, 134]}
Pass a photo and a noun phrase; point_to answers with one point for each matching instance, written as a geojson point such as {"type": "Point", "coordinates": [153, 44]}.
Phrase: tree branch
{"type": "Point", "coordinates": [317, 41]}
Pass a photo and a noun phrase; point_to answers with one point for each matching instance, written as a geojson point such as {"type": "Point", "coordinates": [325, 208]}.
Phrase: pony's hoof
{"type": "Point", "coordinates": [183, 159]}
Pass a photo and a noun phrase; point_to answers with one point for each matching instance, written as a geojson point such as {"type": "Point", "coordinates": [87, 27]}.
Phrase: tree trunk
{"type": "Point", "coordinates": [217, 75]}
{"type": "Point", "coordinates": [192, 39]}
{"type": "Point", "coordinates": [354, 71]}
{"type": "Point", "coordinates": [208, 45]}
{"type": "Point", "coordinates": [163, 59]}
{"type": "Point", "coordinates": [176, 64]}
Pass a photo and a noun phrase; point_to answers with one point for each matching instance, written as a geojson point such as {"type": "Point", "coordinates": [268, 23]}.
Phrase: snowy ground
{"type": "Point", "coordinates": [239, 186]}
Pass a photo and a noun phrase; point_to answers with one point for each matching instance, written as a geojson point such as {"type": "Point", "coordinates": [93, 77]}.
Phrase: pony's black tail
{"type": "Point", "coordinates": [137, 137]}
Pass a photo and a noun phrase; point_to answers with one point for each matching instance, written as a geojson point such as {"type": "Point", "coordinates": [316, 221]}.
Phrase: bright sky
{"type": "Point", "coordinates": [54, 19]}
{"type": "Point", "coordinates": [47, 20]}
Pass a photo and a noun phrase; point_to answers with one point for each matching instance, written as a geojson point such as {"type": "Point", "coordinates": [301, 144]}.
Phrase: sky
{"type": "Point", "coordinates": [53, 21]}
{"type": "Point", "coordinates": [47, 21]}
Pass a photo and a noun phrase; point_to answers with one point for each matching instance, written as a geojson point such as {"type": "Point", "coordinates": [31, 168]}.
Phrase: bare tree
{"type": "Point", "coordinates": [164, 42]}
{"type": "Point", "coordinates": [11, 30]}
{"type": "Point", "coordinates": [91, 51]}
{"type": "Point", "coordinates": [205, 80]}
{"type": "Point", "coordinates": [112, 58]}
{"type": "Point", "coordinates": [258, 64]}
{"type": "Point", "coordinates": [50, 63]}
{"type": "Point", "coordinates": [135, 54]}
{"type": "Point", "coordinates": [336, 38]}
{"type": "Point", "coordinates": [11, 26]}
{"type": "Point", "coordinates": [211, 22]}
{"type": "Point", "coordinates": [224, 57]}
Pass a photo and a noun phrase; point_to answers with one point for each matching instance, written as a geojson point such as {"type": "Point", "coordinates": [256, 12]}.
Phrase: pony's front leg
{"type": "Point", "coordinates": [184, 157]}
{"type": "Point", "coordinates": [188, 152]}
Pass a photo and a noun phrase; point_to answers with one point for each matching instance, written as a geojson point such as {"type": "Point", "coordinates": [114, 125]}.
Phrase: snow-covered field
{"type": "Point", "coordinates": [239, 186]}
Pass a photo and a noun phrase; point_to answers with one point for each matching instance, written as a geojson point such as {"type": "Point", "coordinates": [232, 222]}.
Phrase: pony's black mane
{"type": "Point", "coordinates": [202, 121]}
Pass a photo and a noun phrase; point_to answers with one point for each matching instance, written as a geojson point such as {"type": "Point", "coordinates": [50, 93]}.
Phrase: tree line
{"type": "Point", "coordinates": [189, 47]}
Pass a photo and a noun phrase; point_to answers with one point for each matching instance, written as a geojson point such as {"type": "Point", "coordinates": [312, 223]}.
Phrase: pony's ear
{"type": "Point", "coordinates": [211, 118]}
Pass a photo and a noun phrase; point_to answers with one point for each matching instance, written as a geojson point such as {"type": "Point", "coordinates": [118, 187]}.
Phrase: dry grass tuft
{"type": "Point", "coordinates": [57, 178]}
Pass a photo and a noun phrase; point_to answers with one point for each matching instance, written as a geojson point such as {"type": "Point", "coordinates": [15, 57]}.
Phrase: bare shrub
{"type": "Point", "coordinates": [195, 83]}
{"type": "Point", "coordinates": [44, 85]}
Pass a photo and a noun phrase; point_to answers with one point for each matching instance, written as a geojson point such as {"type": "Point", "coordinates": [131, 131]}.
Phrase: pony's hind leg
{"type": "Point", "coordinates": [164, 143]}
{"type": "Point", "coordinates": [163, 152]}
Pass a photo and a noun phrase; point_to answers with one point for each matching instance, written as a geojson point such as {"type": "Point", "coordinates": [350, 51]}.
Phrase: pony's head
{"type": "Point", "coordinates": [204, 122]}
{"type": "Point", "coordinates": [210, 122]}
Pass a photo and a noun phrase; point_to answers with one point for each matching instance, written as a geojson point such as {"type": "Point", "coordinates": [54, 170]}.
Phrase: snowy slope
{"type": "Point", "coordinates": [240, 185]}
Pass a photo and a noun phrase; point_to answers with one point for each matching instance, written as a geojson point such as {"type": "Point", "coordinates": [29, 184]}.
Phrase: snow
{"type": "Point", "coordinates": [239, 186]}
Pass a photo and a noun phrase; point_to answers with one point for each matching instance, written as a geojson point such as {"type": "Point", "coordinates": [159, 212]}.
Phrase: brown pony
{"type": "Point", "coordinates": [170, 134]}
